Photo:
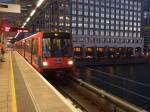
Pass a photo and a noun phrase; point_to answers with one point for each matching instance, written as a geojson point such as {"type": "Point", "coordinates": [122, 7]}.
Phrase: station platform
{"type": "Point", "coordinates": [23, 89]}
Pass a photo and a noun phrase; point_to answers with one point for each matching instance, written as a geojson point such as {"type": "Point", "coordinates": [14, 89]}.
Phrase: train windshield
{"type": "Point", "coordinates": [56, 47]}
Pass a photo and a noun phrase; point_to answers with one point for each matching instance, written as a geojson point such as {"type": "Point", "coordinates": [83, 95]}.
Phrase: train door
{"type": "Point", "coordinates": [28, 46]}
{"type": "Point", "coordinates": [36, 60]}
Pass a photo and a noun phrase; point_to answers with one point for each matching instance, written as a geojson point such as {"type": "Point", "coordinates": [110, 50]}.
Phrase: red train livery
{"type": "Point", "coordinates": [47, 51]}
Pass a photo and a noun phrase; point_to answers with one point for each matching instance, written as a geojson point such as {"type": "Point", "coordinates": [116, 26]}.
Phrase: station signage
{"type": "Point", "coordinates": [12, 8]}
{"type": "Point", "coordinates": [14, 29]}
{"type": "Point", "coordinates": [19, 30]}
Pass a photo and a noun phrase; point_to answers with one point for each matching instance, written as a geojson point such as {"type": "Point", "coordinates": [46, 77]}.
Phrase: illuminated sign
{"type": "Point", "coordinates": [14, 29]}
{"type": "Point", "coordinates": [5, 29]}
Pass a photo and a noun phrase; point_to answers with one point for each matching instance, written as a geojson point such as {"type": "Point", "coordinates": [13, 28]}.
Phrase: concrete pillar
{"type": "Point", "coordinates": [83, 51]}
{"type": "Point", "coordinates": [134, 51]}
{"type": "Point", "coordinates": [95, 52]}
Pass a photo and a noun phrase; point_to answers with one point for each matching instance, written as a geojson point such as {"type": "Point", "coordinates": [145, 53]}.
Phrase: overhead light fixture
{"type": "Point", "coordinates": [28, 19]}
{"type": "Point", "coordinates": [29, 5]}
{"type": "Point", "coordinates": [24, 25]}
{"type": "Point", "coordinates": [16, 35]}
{"type": "Point", "coordinates": [32, 13]}
{"type": "Point", "coordinates": [39, 3]}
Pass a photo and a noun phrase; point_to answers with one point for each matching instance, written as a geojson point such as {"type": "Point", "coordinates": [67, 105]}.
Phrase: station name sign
{"type": "Point", "coordinates": [10, 8]}
{"type": "Point", "coordinates": [14, 29]}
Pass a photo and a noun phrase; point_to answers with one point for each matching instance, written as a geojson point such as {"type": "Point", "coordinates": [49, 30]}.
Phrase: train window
{"type": "Point", "coordinates": [28, 46]}
{"type": "Point", "coordinates": [56, 47]}
{"type": "Point", "coordinates": [35, 46]}
{"type": "Point", "coordinates": [46, 47]}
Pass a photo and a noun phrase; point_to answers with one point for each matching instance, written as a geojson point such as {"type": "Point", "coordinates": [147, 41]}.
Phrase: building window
{"type": "Point", "coordinates": [79, 31]}
{"type": "Point", "coordinates": [91, 32]}
{"type": "Point", "coordinates": [74, 31]}
{"type": "Point", "coordinates": [85, 31]}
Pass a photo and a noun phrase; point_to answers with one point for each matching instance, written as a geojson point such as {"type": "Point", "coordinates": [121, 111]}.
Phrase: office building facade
{"type": "Point", "coordinates": [146, 25]}
{"type": "Point", "coordinates": [95, 23]}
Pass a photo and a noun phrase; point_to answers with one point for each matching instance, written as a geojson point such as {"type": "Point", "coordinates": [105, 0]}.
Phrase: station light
{"type": "Point", "coordinates": [28, 19]}
{"type": "Point", "coordinates": [39, 3]}
{"type": "Point", "coordinates": [24, 25]}
{"type": "Point", "coordinates": [32, 13]}
{"type": "Point", "coordinates": [16, 35]}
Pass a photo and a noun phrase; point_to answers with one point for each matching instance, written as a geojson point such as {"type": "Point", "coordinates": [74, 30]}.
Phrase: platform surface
{"type": "Point", "coordinates": [22, 89]}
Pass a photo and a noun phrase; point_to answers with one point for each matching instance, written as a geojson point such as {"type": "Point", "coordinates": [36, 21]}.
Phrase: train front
{"type": "Point", "coordinates": [57, 52]}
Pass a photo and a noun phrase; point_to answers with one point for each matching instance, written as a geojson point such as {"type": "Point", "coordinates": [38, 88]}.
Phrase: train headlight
{"type": "Point", "coordinates": [45, 63]}
{"type": "Point", "coordinates": [70, 62]}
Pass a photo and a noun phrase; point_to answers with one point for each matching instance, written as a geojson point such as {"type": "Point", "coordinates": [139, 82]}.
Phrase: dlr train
{"type": "Point", "coordinates": [48, 51]}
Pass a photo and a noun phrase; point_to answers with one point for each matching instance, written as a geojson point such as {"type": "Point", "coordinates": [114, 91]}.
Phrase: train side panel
{"type": "Point", "coordinates": [37, 52]}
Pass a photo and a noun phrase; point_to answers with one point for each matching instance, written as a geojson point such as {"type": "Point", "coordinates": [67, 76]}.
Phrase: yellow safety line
{"type": "Point", "coordinates": [13, 103]}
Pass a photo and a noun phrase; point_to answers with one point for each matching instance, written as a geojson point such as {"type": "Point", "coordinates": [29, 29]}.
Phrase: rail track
{"type": "Point", "coordinates": [83, 99]}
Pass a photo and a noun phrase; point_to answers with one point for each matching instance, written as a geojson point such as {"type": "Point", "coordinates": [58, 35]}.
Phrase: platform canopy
{"type": "Point", "coordinates": [16, 11]}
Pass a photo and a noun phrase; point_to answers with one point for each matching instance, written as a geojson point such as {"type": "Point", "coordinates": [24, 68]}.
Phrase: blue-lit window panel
{"type": "Point", "coordinates": [130, 34]}
{"type": "Point", "coordinates": [91, 25]}
{"type": "Point", "coordinates": [85, 19]}
{"type": "Point", "coordinates": [130, 28]}
{"type": "Point", "coordinates": [107, 33]}
{"type": "Point", "coordinates": [96, 26]}
{"type": "Point", "coordinates": [121, 27]}
{"type": "Point", "coordinates": [91, 32]}
{"type": "Point", "coordinates": [139, 34]}
{"type": "Point", "coordinates": [74, 31]}
{"type": "Point", "coordinates": [80, 7]}
{"type": "Point", "coordinates": [85, 31]}
{"type": "Point", "coordinates": [85, 13]}
{"type": "Point", "coordinates": [85, 25]}
{"type": "Point", "coordinates": [80, 1]}
{"type": "Point", "coordinates": [74, 12]}
{"type": "Point", "coordinates": [80, 31]}
{"type": "Point", "coordinates": [96, 32]}
{"type": "Point", "coordinates": [86, 1]}
{"type": "Point", "coordinates": [80, 24]}
{"type": "Point", "coordinates": [102, 15]}
{"type": "Point", "coordinates": [126, 34]}
{"type": "Point", "coordinates": [91, 1]}
{"type": "Point", "coordinates": [74, 25]}
{"type": "Point", "coordinates": [112, 27]}
{"type": "Point", "coordinates": [97, 20]}
{"type": "Point", "coordinates": [103, 2]}
{"type": "Point", "coordinates": [74, 18]}
{"type": "Point", "coordinates": [91, 13]}
{"type": "Point", "coordinates": [117, 27]}
{"type": "Point", "coordinates": [121, 34]}
{"type": "Point", "coordinates": [102, 33]}
{"type": "Point", "coordinates": [97, 2]}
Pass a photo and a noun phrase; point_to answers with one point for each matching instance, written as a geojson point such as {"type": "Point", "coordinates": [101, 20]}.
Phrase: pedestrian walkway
{"type": "Point", "coordinates": [5, 85]}
{"type": "Point", "coordinates": [22, 89]}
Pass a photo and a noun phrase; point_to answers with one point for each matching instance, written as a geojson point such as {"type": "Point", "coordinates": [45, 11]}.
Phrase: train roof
{"type": "Point", "coordinates": [48, 34]}
{"type": "Point", "coordinates": [56, 35]}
